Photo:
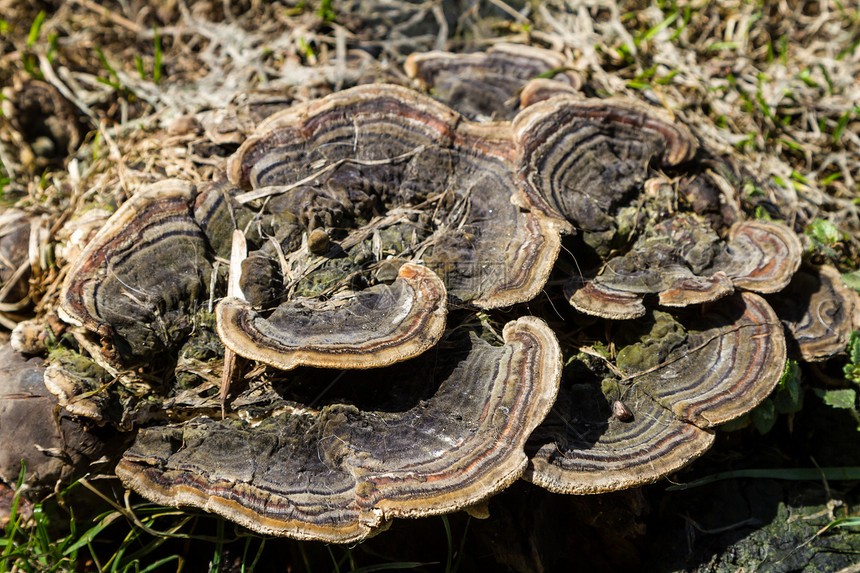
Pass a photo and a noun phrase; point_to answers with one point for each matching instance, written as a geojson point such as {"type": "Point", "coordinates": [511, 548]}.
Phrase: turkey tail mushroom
{"type": "Point", "coordinates": [341, 474]}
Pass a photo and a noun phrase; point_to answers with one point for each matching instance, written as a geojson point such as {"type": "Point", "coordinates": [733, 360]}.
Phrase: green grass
{"type": "Point", "coordinates": [34, 545]}
{"type": "Point", "coordinates": [144, 537]}
{"type": "Point", "coordinates": [792, 474]}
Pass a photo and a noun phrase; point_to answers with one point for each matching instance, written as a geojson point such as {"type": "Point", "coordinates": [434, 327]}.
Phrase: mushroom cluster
{"type": "Point", "coordinates": [398, 350]}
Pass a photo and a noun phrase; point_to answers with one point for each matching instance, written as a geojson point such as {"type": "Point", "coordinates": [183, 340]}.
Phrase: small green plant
{"type": "Point", "coordinates": [852, 369]}
{"type": "Point", "coordinates": [112, 80]}
{"type": "Point", "coordinates": [28, 59]}
{"type": "Point", "coordinates": [843, 123]}
{"type": "Point", "coordinates": [310, 55]}
{"type": "Point", "coordinates": [762, 214]}
{"type": "Point", "coordinates": [35, 28]}
{"type": "Point", "coordinates": [326, 11]}
{"type": "Point", "coordinates": [157, 61]}
{"type": "Point", "coordinates": [824, 232]}
{"type": "Point", "coordinates": [825, 237]}
{"type": "Point", "coordinates": [852, 280]}
{"type": "Point", "coordinates": [30, 542]}
{"type": "Point", "coordinates": [846, 398]}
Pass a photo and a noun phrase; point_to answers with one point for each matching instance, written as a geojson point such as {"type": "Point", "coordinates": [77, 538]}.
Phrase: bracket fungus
{"type": "Point", "coordinates": [819, 312]}
{"type": "Point", "coordinates": [377, 327]}
{"type": "Point", "coordinates": [488, 85]}
{"type": "Point", "coordinates": [382, 224]}
{"type": "Point", "coordinates": [138, 281]}
{"type": "Point", "coordinates": [393, 148]}
{"type": "Point", "coordinates": [579, 158]}
{"type": "Point", "coordinates": [683, 262]}
{"type": "Point", "coordinates": [340, 474]}
{"type": "Point", "coordinates": [717, 371]}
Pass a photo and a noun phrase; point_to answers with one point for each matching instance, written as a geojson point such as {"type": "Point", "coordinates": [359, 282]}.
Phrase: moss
{"type": "Point", "coordinates": [791, 542]}
{"type": "Point", "coordinates": [113, 400]}
{"type": "Point", "coordinates": [203, 344]}
{"type": "Point", "coordinates": [653, 340]}
{"type": "Point", "coordinates": [78, 365]}
{"type": "Point", "coordinates": [357, 264]}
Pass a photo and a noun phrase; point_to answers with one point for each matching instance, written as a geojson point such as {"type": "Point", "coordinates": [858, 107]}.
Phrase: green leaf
{"type": "Point", "coordinates": [762, 214]}
{"type": "Point", "coordinates": [824, 232]}
{"type": "Point", "coordinates": [138, 64]}
{"type": "Point", "coordinates": [722, 46]}
{"type": "Point", "coordinates": [159, 56]}
{"type": "Point", "coordinates": [326, 11]}
{"type": "Point", "coordinates": [764, 416]}
{"type": "Point", "coordinates": [852, 280]}
{"type": "Point", "coordinates": [847, 522]}
{"type": "Point", "coordinates": [450, 543]}
{"type": "Point", "coordinates": [788, 397]}
{"type": "Point", "coordinates": [35, 28]}
{"type": "Point", "coordinates": [752, 190]}
{"type": "Point", "coordinates": [158, 564]}
{"type": "Point", "coordinates": [854, 348]}
{"type": "Point", "coordinates": [806, 77]}
{"type": "Point", "coordinates": [831, 178]}
{"type": "Point", "coordinates": [843, 399]}
{"type": "Point", "coordinates": [649, 34]}
{"type": "Point", "coordinates": [840, 126]}
{"type": "Point", "coordinates": [549, 74]}
{"type": "Point", "coordinates": [92, 532]}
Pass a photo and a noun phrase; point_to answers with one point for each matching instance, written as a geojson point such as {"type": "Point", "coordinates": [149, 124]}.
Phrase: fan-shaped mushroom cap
{"type": "Point", "coordinates": [598, 299]}
{"type": "Point", "coordinates": [400, 149]}
{"type": "Point", "coordinates": [341, 474]}
{"type": "Point", "coordinates": [376, 327]}
{"type": "Point", "coordinates": [761, 256]}
{"type": "Point", "coordinates": [819, 310]}
{"type": "Point", "coordinates": [670, 259]}
{"type": "Point", "coordinates": [579, 157]}
{"type": "Point", "coordinates": [610, 453]}
{"type": "Point", "coordinates": [541, 89]}
{"type": "Point", "coordinates": [137, 281]}
{"type": "Point", "coordinates": [485, 85]}
{"type": "Point", "coordinates": [683, 262]}
{"type": "Point", "coordinates": [720, 372]}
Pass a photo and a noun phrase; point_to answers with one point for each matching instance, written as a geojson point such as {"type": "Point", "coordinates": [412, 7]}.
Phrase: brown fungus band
{"type": "Point", "coordinates": [721, 369]}
{"type": "Point", "coordinates": [143, 275]}
{"type": "Point", "coordinates": [490, 85]}
{"type": "Point", "coordinates": [580, 158]}
{"type": "Point", "coordinates": [340, 474]}
{"type": "Point", "coordinates": [396, 151]}
{"type": "Point", "coordinates": [376, 327]}
{"type": "Point", "coordinates": [819, 311]}
{"type": "Point", "coordinates": [684, 262]}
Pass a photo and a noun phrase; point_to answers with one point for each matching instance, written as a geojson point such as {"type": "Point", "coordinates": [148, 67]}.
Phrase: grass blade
{"type": "Point", "coordinates": [391, 566]}
{"type": "Point", "coordinates": [796, 474]}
